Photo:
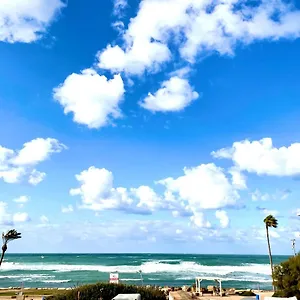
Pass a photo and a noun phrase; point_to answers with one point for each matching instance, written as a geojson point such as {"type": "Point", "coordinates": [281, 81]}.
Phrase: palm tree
{"type": "Point", "coordinates": [7, 237]}
{"type": "Point", "coordinates": [270, 221]}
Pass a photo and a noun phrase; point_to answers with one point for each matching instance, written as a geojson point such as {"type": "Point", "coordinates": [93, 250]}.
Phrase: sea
{"type": "Point", "coordinates": [71, 270]}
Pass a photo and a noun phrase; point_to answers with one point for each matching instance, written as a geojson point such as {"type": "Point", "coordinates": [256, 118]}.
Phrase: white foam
{"type": "Point", "coordinates": [246, 279]}
{"type": "Point", "coordinates": [184, 268]}
{"type": "Point", "coordinates": [31, 276]}
{"type": "Point", "coordinates": [130, 279]}
{"type": "Point", "coordinates": [195, 268]}
{"type": "Point", "coordinates": [56, 281]}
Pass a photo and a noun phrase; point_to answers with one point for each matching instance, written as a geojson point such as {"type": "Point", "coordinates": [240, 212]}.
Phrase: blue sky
{"type": "Point", "coordinates": [129, 129]}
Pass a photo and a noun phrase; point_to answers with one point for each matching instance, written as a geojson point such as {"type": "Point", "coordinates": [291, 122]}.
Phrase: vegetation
{"type": "Point", "coordinates": [6, 238]}
{"type": "Point", "coordinates": [108, 291]}
{"type": "Point", "coordinates": [270, 221]}
{"type": "Point", "coordinates": [287, 278]}
{"type": "Point", "coordinates": [246, 294]}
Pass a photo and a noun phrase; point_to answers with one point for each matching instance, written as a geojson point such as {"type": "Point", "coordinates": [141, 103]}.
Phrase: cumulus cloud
{"type": "Point", "coordinates": [198, 189]}
{"type": "Point", "coordinates": [119, 6]}
{"type": "Point", "coordinates": [21, 217]}
{"type": "Point", "coordinates": [198, 220]}
{"type": "Point", "coordinates": [16, 165]}
{"type": "Point", "coordinates": [191, 28]}
{"type": "Point", "coordinates": [223, 218]}
{"type": "Point", "coordinates": [203, 187]}
{"type": "Point", "coordinates": [5, 217]}
{"type": "Point", "coordinates": [21, 199]}
{"type": "Point", "coordinates": [260, 234]}
{"type": "Point", "coordinates": [36, 177]}
{"type": "Point", "coordinates": [259, 196]}
{"type": "Point", "coordinates": [237, 178]}
{"type": "Point", "coordinates": [97, 193]}
{"type": "Point", "coordinates": [26, 21]}
{"type": "Point", "coordinates": [93, 99]}
{"type": "Point", "coordinates": [196, 27]}
{"type": "Point", "coordinates": [262, 158]}
{"type": "Point", "coordinates": [36, 151]}
{"type": "Point", "coordinates": [147, 198]}
{"type": "Point", "coordinates": [67, 209]}
{"type": "Point", "coordinates": [174, 95]}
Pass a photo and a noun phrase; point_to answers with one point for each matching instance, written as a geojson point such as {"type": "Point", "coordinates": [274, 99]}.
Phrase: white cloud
{"type": "Point", "coordinates": [238, 179]}
{"type": "Point", "coordinates": [44, 219]}
{"type": "Point", "coordinates": [21, 217]}
{"type": "Point", "coordinates": [119, 6]}
{"type": "Point", "coordinates": [174, 95]}
{"type": "Point", "coordinates": [118, 26]}
{"type": "Point", "coordinates": [274, 234]}
{"type": "Point", "coordinates": [36, 151]}
{"type": "Point", "coordinates": [5, 154]}
{"type": "Point", "coordinates": [297, 213]}
{"type": "Point", "coordinates": [21, 199]}
{"type": "Point", "coordinates": [148, 199]}
{"type": "Point", "coordinates": [297, 234]}
{"type": "Point", "coordinates": [232, 22]}
{"type": "Point", "coordinates": [203, 187]}
{"type": "Point", "coordinates": [196, 27]}
{"type": "Point", "coordinates": [67, 209]}
{"type": "Point", "coordinates": [198, 220]}
{"type": "Point", "coordinates": [98, 193]}
{"type": "Point", "coordinates": [15, 165]}
{"type": "Point", "coordinates": [26, 21]}
{"type": "Point", "coordinates": [258, 196]}
{"type": "Point", "coordinates": [260, 234]}
{"type": "Point", "coordinates": [5, 217]}
{"type": "Point", "coordinates": [93, 99]}
{"type": "Point", "coordinates": [12, 174]}
{"type": "Point", "coordinates": [143, 55]}
{"type": "Point", "coordinates": [36, 177]}
{"type": "Point", "coordinates": [267, 212]}
{"type": "Point", "coordinates": [223, 218]}
{"type": "Point", "coordinates": [262, 158]}
{"type": "Point", "coordinates": [285, 194]}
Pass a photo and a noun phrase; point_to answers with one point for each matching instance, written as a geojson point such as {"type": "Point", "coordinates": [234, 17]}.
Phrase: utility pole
{"type": "Point", "coordinates": [294, 246]}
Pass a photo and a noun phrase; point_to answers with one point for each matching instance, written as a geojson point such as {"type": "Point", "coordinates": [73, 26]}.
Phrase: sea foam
{"type": "Point", "coordinates": [184, 267]}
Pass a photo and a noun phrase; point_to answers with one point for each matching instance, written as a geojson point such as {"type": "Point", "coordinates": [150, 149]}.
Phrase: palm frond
{"type": "Point", "coordinates": [271, 221]}
{"type": "Point", "coordinates": [10, 236]}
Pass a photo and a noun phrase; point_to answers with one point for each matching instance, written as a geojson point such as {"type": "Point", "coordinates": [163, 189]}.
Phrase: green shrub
{"type": "Point", "coordinates": [108, 291]}
{"type": "Point", "coordinates": [247, 293]}
{"type": "Point", "coordinates": [287, 278]}
{"type": "Point", "coordinates": [280, 294]}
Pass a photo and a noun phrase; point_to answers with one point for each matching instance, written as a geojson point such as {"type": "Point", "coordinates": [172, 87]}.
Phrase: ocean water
{"type": "Point", "coordinates": [69, 270]}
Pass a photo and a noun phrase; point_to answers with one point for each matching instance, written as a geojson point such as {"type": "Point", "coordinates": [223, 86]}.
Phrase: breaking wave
{"type": "Point", "coordinates": [184, 268]}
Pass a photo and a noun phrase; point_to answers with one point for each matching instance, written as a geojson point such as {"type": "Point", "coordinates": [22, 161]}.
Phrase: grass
{"type": "Point", "coordinates": [30, 292]}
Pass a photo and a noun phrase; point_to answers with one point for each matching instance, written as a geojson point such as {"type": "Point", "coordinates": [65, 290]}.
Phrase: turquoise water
{"type": "Point", "coordinates": [68, 270]}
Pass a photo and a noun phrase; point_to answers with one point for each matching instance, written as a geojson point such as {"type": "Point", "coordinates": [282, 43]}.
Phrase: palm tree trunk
{"type": "Point", "coordinates": [2, 256]}
{"type": "Point", "coordinates": [270, 256]}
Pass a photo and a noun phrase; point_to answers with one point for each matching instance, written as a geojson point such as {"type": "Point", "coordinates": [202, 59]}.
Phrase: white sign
{"type": "Point", "coordinates": [114, 278]}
